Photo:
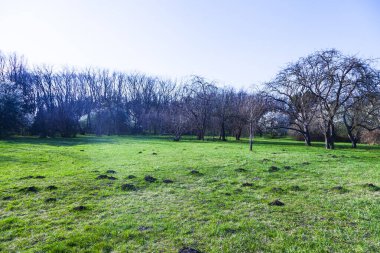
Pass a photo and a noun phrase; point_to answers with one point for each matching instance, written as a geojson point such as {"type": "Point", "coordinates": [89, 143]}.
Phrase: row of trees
{"type": "Point", "coordinates": [312, 95]}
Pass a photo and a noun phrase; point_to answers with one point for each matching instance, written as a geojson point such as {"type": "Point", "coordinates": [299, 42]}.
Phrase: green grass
{"type": "Point", "coordinates": [211, 212]}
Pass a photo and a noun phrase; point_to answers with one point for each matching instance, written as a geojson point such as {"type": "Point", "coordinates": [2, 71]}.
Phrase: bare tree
{"type": "Point", "coordinates": [197, 100]}
{"type": "Point", "coordinates": [257, 105]}
{"type": "Point", "coordinates": [292, 98]}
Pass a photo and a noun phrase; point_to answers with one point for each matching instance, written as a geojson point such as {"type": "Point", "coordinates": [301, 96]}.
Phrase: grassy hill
{"type": "Point", "coordinates": [92, 194]}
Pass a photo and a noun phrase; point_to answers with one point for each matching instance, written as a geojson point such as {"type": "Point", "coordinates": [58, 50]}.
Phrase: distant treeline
{"type": "Point", "coordinates": [324, 95]}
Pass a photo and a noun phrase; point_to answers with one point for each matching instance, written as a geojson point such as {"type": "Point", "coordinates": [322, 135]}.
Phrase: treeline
{"type": "Point", "coordinates": [324, 94]}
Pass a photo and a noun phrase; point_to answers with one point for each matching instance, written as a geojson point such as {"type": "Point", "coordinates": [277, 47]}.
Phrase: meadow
{"type": "Point", "coordinates": [150, 194]}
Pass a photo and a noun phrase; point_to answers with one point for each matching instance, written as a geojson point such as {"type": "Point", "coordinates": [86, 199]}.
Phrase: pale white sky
{"type": "Point", "coordinates": [239, 43]}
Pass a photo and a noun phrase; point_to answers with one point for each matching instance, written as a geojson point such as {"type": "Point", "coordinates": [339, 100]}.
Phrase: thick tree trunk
{"type": "Point", "coordinates": [223, 133]}
{"type": "Point", "coordinates": [330, 136]}
{"type": "Point", "coordinates": [353, 139]}
{"type": "Point", "coordinates": [238, 134]}
{"type": "Point", "coordinates": [307, 136]}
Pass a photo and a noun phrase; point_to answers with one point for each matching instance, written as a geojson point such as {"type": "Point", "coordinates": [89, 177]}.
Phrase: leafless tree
{"type": "Point", "coordinates": [197, 100]}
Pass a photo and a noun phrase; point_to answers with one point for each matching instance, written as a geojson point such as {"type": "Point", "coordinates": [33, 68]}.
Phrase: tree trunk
{"type": "Point", "coordinates": [250, 136]}
{"type": "Point", "coordinates": [330, 136]}
{"type": "Point", "coordinates": [238, 134]}
{"type": "Point", "coordinates": [223, 133]}
{"type": "Point", "coordinates": [353, 139]}
{"type": "Point", "coordinates": [307, 136]}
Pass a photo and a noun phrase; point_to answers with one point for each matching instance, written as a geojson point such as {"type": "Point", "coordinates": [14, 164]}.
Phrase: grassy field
{"type": "Point", "coordinates": [57, 196]}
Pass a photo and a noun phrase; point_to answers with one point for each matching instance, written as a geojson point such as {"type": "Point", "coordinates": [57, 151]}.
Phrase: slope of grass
{"type": "Point", "coordinates": [218, 200]}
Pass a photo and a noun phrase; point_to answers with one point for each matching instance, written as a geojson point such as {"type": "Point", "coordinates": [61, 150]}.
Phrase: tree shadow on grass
{"type": "Point", "coordinates": [58, 142]}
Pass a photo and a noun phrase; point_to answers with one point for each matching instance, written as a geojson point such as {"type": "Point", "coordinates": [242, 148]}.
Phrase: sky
{"type": "Point", "coordinates": [238, 43]}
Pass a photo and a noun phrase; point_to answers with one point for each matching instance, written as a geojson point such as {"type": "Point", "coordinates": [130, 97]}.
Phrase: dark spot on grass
{"type": "Point", "coordinates": [277, 190]}
{"type": "Point", "coordinates": [102, 177]}
{"type": "Point", "coordinates": [295, 188]}
{"type": "Point", "coordinates": [144, 228]}
{"type": "Point", "coordinates": [246, 184]}
{"type": "Point", "coordinates": [52, 187]}
{"type": "Point", "coordinates": [107, 249]}
{"type": "Point", "coordinates": [40, 177]}
{"type": "Point", "coordinates": [81, 150]}
{"type": "Point", "coordinates": [128, 187]}
{"type": "Point", "coordinates": [7, 198]}
{"type": "Point", "coordinates": [273, 169]}
{"type": "Point", "coordinates": [140, 152]}
{"type": "Point", "coordinates": [276, 203]}
{"type": "Point", "coordinates": [94, 171]}
{"type": "Point", "coordinates": [150, 179]}
{"type": "Point", "coordinates": [80, 208]}
{"type": "Point", "coordinates": [29, 189]}
{"type": "Point", "coordinates": [196, 173]}
{"type": "Point", "coordinates": [334, 156]}
{"type": "Point", "coordinates": [287, 167]}
{"type": "Point", "coordinates": [339, 189]}
{"type": "Point", "coordinates": [167, 181]}
{"type": "Point", "coordinates": [238, 191]}
{"type": "Point", "coordinates": [27, 177]}
{"type": "Point", "coordinates": [188, 250]}
{"type": "Point", "coordinates": [230, 231]}
{"type": "Point", "coordinates": [154, 153]}
{"type": "Point", "coordinates": [112, 178]}
{"type": "Point", "coordinates": [372, 187]}
{"type": "Point", "coordinates": [306, 163]}
{"type": "Point", "coordinates": [131, 177]}
{"type": "Point", "coordinates": [111, 171]}
{"type": "Point", "coordinates": [265, 160]}
{"type": "Point", "coordinates": [227, 194]}
{"type": "Point", "coordinates": [48, 200]}
{"type": "Point", "coordinates": [241, 170]}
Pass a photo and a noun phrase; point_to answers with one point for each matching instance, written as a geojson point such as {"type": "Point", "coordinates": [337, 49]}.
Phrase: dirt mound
{"type": "Point", "coordinates": [168, 181]}
{"type": "Point", "coordinates": [80, 208]}
{"type": "Point", "coordinates": [150, 179]}
{"type": "Point", "coordinates": [196, 173]}
{"type": "Point", "coordinates": [27, 177]}
{"type": "Point", "coordinates": [7, 198]}
{"type": "Point", "coordinates": [131, 177]}
{"type": "Point", "coordinates": [29, 189]}
{"type": "Point", "coordinates": [39, 177]}
{"type": "Point", "coordinates": [106, 177]}
{"type": "Point", "coordinates": [276, 203]}
{"type": "Point", "coordinates": [52, 187]}
{"type": "Point", "coordinates": [247, 184]}
{"type": "Point", "coordinates": [188, 250]}
{"type": "Point", "coordinates": [287, 167]}
{"type": "Point", "coordinates": [48, 200]}
{"type": "Point", "coordinates": [372, 187]}
{"type": "Point", "coordinates": [273, 169]}
{"type": "Point", "coordinates": [111, 172]}
{"type": "Point", "coordinates": [241, 170]}
{"type": "Point", "coordinates": [128, 187]}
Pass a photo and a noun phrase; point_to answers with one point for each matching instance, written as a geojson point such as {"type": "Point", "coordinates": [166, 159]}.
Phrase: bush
{"type": "Point", "coordinates": [370, 137]}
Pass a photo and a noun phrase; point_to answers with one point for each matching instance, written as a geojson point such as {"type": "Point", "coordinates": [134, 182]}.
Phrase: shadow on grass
{"type": "Point", "coordinates": [92, 139]}
{"type": "Point", "coordinates": [33, 140]}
